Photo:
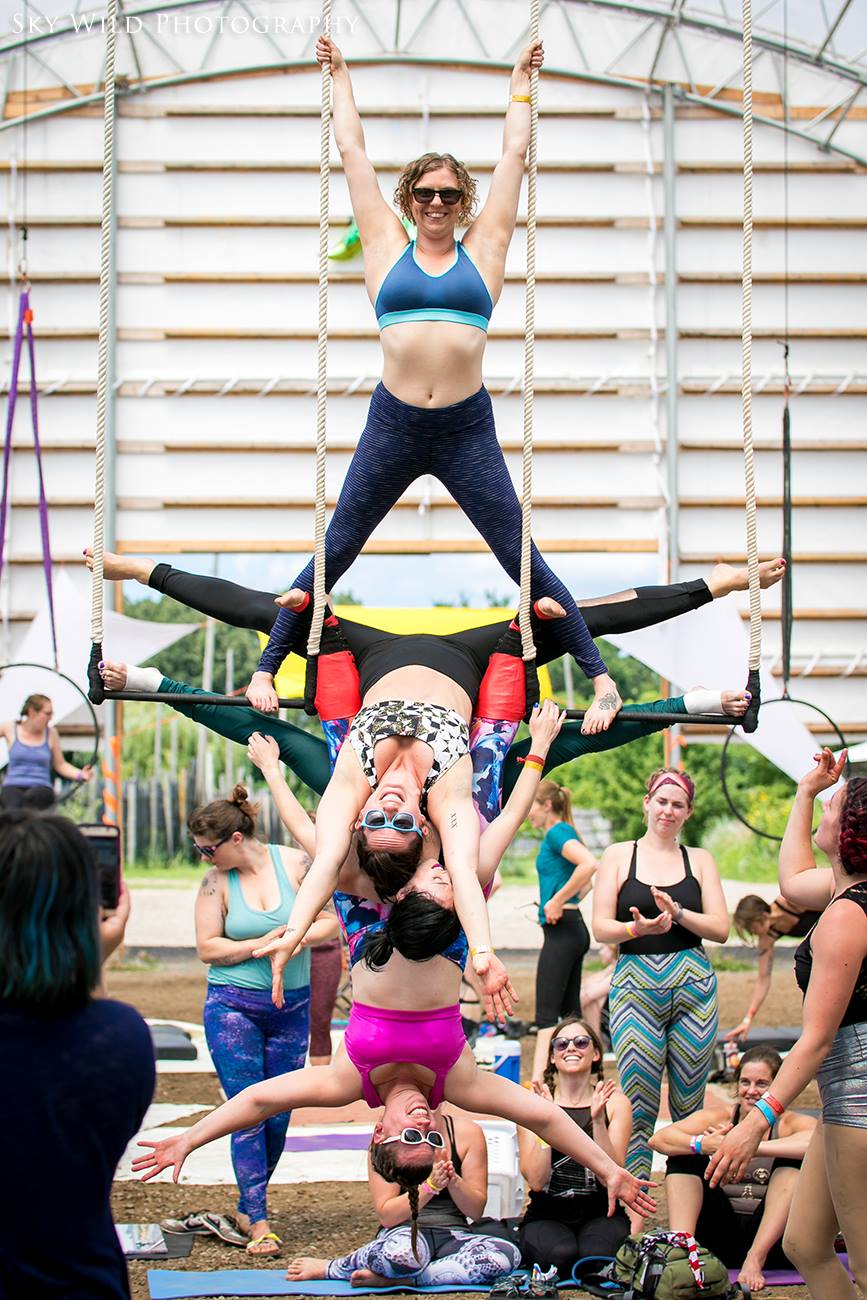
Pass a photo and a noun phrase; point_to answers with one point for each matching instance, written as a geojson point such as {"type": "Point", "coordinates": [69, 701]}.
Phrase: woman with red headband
{"type": "Point", "coordinates": [658, 902]}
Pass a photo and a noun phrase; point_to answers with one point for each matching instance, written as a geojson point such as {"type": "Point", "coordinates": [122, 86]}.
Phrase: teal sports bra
{"type": "Point", "coordinates": [245, 922]}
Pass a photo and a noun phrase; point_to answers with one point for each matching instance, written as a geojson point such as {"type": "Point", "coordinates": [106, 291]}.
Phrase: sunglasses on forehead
{"type": "Point", "coordinates": [413, 1137]}
{"type": "Point", "coordinates": [450, 196]}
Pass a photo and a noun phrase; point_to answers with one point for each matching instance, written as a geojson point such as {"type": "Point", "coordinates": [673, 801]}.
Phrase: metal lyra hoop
{"type": "Point", "coordinates": [91, 762]}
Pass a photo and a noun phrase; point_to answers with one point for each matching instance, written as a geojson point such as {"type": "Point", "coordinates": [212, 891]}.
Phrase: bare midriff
{"type": "Point", "coordinates": [432, 363]}
{"type": "Point", "coordinates": [398, 988]}
{"type": "Point", "coordinates": [422, 685]}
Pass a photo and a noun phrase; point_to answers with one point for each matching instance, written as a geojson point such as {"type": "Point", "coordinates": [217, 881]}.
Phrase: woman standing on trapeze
{"type": "Point", "coordinates": [431, 414]}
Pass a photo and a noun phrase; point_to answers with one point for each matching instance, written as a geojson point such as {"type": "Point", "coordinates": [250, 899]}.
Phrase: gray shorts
{"type": "Point", "coordinates": [842, 1079]}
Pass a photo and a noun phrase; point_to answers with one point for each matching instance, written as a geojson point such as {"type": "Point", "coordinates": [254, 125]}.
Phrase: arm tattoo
{"type": "Point", "coordinates": [208, 886]}
{"type": "Point", "coordinates": [453, 820]}
{"type": "Point", "coordinates": [306, 864]}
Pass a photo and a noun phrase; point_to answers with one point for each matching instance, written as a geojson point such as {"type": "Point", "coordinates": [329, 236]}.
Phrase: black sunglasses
{"type": "Point", "coordinates": [582, 1042]}
{"type": "Point", "coordinates": [450, 197]}
{"type": "Point", "coordinates": [208, 850]}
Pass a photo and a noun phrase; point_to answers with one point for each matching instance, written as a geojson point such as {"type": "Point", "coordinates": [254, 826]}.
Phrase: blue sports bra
{"type": "Point", "coordinates": [409, 292]}
{"type": "Point", "coordinates": [360, 917]}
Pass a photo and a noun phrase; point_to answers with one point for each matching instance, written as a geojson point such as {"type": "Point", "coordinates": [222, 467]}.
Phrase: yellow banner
{"type": "Point", "coordinates": [439, 620]}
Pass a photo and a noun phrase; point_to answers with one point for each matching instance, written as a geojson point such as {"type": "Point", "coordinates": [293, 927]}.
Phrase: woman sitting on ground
{"type": "Point", "coordinates": [567, 1215]}
{"type": "Point", "coordinates": [768, 922]}
{"type": "Point", "coordinates": [245, 899]}
{"type": "Point", "coordinates": [444, 1250]}
{"type": "Point", "coordinates": [404, 1047]}
{"type": "Point", "coordinates": [78, 1069]}
{"type": "Point", "coordinates": [743, 1223]}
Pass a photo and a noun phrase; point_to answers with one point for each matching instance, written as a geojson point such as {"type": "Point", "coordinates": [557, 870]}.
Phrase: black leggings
{"type": "Point", "coordinates": [242, 607]}
{"type": "Point", "coordinates": [546, 1242]}
{"type": "Point", "coordinates": [558, 974]}
{"type": "Point", "coordinates": [724, 1231]}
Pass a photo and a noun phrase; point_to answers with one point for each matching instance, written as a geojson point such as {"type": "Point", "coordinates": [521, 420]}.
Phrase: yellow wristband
{"type": "Point", "coordinates": [477, 952]}
{"type": "Point", "coordinates": [436, 1190]}
{"type": "Point", "coordinates": [535, 767]}
{"type": "Point", "coordinates": [520, 99]}
{"type": "Point", "coordinates": [631, 931]}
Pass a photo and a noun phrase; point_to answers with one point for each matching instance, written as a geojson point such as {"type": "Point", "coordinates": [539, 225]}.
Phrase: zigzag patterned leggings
{"type": "Point", "coordinates": [663, 1013]}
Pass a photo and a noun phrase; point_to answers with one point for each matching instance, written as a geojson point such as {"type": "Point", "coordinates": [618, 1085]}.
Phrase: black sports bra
{"type": "Point", "coordinates": [856, 1012]}
{"type": "Point", "coordinates": [635, 893]}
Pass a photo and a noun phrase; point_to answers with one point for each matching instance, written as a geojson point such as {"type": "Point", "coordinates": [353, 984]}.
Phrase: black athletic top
{"type": "Point", "coordinates": [463, 656]}
{"type": "Point", "coordinates": [635, 893]}
{"type": "Point", "coordinates": [856, 1012]}
{"type": "Point", "coordinates": [441, 1211]}
{"type": "Point", "coordinates": [572, 1193]}
{"type": "Point", "coordinates": [804, 920]}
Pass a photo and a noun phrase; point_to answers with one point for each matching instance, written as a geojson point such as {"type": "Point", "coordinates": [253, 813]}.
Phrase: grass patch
{"type": "Point", "coordinates": [158, 872]}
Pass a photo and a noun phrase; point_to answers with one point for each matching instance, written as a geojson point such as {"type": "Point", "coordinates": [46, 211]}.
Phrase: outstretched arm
{"type": "Point", "coordinates": [801, 880]}
{"type": "Point", "coordinates": [318, 1085]}
{"type": "Point", "coordinates": [265, 753]}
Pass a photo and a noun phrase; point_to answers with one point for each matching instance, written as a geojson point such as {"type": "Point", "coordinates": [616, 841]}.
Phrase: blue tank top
{"type": "Point", "coordinates": [29, 764]}
{"type": "Point", "coordinates": [245, 922]}
{"type": "Point", "coordinates": [410, 293]}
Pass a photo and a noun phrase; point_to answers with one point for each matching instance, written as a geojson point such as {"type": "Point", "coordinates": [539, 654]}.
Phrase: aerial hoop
{"type": "Point", "coordinates": [91, 761]}
{"type": "Point", "coordinates": [782, 699]}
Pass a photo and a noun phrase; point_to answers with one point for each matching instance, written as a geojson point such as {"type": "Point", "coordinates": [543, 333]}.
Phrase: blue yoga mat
{"type": "Point", "coordinates": [171, 1284]}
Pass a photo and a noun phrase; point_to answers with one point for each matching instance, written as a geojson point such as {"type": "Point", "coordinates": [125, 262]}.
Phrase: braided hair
{"type": "Point", "coordinates": [853, 828]}
{"type": "Point", "coordinates": [550, 1075]}
{"type": "Point", "coordinates": [408, 1178]}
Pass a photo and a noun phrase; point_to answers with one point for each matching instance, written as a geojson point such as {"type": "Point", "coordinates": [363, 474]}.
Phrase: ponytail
{"type": "Point", "coordinates": [418, 927]}
{"type": "Point", "coordinates": [559, 797]}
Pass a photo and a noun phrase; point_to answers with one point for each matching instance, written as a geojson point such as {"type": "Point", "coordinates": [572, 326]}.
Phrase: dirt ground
{"type": "Point", "coordinates": [329, 1218]}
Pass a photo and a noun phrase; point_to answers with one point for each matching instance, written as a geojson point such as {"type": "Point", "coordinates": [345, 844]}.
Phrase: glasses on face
{"type": "Point", "coordinates": [582, 1042]}
{"type": "Point", "coordinates": [413, 1137]}
{"type": "Point", "coordinates": [423, 194]}
{"type": "Point", "coordinates": [208, 850]}
{"type": "Point", "coordinates": [377, 820]}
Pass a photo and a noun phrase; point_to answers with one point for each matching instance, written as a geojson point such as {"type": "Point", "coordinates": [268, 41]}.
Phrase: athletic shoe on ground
{"type": "Point", "coordinates": [191, 1223]}
{"type": "Point", "coordinates": [226, 1228]}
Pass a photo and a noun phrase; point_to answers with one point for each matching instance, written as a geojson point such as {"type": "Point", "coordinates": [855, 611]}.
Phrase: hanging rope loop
{"type": "Point", "coordinates": [319, 593]}
{"type": "Point", "coordinates": [528, 648]}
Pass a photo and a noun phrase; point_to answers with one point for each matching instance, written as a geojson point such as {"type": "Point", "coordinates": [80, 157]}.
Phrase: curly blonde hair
{"type": "Point", "coordinates": [428, 162]}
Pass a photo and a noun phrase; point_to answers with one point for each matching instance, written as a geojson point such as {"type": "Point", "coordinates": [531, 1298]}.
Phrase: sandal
{"type": "Point", "coordinates": [266, 1244]}
{"type": "Point", "coordinates": [507, 1288]}
{"type": "Point", "coordinates": [543, 1285]}
{"type": "Point", "coordinates": [226, 1228]}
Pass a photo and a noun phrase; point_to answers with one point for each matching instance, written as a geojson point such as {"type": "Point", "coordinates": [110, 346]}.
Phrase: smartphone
{"type": "Point", "coordinates": [104, 844]}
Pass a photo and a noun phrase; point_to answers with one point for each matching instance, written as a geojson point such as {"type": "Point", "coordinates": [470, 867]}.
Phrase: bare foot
{"type": "Point", "coordinates": [735, 703]}
{"type": "Point", "coordinates": [120, 568]}
{"type": "Point", "coordinates": [604, 708]}
{"type": "Point", "coordinates": [548, 607]}
{"type": "Point", "coordinates": [366, 1277]}
{"type": "Point", "coordinates": [725, 578]}
{"type": "Point", "coordinates": [751, 1274]}
{"type": "Point", "coordinates": [294, 599]}
{"type": "Point", "coordinates": [306, 1269]}
{"type": "Point", "coordinates": [113, 676]}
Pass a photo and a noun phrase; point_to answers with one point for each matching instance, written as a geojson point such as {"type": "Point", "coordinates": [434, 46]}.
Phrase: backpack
{"type": "Point", "coordinates": [664, 1266]}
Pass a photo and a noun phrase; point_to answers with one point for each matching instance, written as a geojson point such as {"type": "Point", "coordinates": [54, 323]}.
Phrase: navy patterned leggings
{"type": "Point", "coordinates": [250, 1040]}
{"type": "Point", "coordinates": [458, 445]}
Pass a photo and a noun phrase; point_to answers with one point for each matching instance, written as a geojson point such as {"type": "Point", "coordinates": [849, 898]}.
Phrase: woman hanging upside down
{"type": "Point", "coordinates": [404, 1047]}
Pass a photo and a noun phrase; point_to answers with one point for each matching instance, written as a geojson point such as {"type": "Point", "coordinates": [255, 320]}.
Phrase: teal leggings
{"type": "Point", "coordinates": [307, 755]}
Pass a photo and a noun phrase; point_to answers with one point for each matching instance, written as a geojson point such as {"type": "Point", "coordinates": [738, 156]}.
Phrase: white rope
{"type": "Point", "coordinates": [528, 648]}
{"type": "Point", "coordinates": [322, 349]}
{"type": "Point", "coordinates": [104, 291]}
{"type": "Point", "coordinates": [747, 348]}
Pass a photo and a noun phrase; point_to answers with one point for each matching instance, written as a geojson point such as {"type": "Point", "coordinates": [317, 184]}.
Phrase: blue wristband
{"type": "Point", "coordinates": [765, 1110]}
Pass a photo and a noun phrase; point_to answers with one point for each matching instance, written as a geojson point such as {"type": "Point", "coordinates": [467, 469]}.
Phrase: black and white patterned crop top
{"type": "Point", "coordinates": [444, 730]}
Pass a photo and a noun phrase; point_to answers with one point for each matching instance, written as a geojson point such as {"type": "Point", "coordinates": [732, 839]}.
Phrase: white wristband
{"type": "Point", "coordinates": [700, 700]}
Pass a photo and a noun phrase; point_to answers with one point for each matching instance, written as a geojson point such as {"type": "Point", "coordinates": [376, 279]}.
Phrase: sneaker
{"type": "Point", "coordinates": [226, 1228]}
{"type": "Point", "coordinates": [190, 1223]}
{"type": "Point", "coordinates": [543, 1285]}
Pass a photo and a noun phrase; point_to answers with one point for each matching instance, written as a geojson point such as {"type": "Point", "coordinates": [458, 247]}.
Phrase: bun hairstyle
{"type": "Point", "coordinates": [671, 776]}
{"type": "Point", "coordinates": [765, 1054]}
{"type": "Point", "coordinates": [748, 915]}
{"type": "Point", "coordinates": [853, 828]}
{"type": "Point", "coordinates": [428, 162]}
{"type": "Point", "coordinates": [418, 927]}
{"type": "Point", "coordinates": [388, 871]}
{"type": "Point", "coordinates": [558, 796]}
{"type": "Point", "coordinates": [408, 1178]}
{"type": "Point", "coordinates": [550, 1075]}
{"type": "Point", "coordinates": [223, 817]}
{"type": "Point", "coordinates": [33, 704]}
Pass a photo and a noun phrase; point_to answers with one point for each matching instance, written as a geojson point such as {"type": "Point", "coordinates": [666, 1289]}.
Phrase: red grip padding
{"type": "Point", "coordinates": [338, 692]}
{"type": "Point", "coordinates": [503, 692]}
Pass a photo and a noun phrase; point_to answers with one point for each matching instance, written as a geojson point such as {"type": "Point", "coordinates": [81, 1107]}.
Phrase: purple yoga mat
{"type": "Point", "coordinates": [327, 1142]}
{"type": "Point", "coordinates": [783, 1276]}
